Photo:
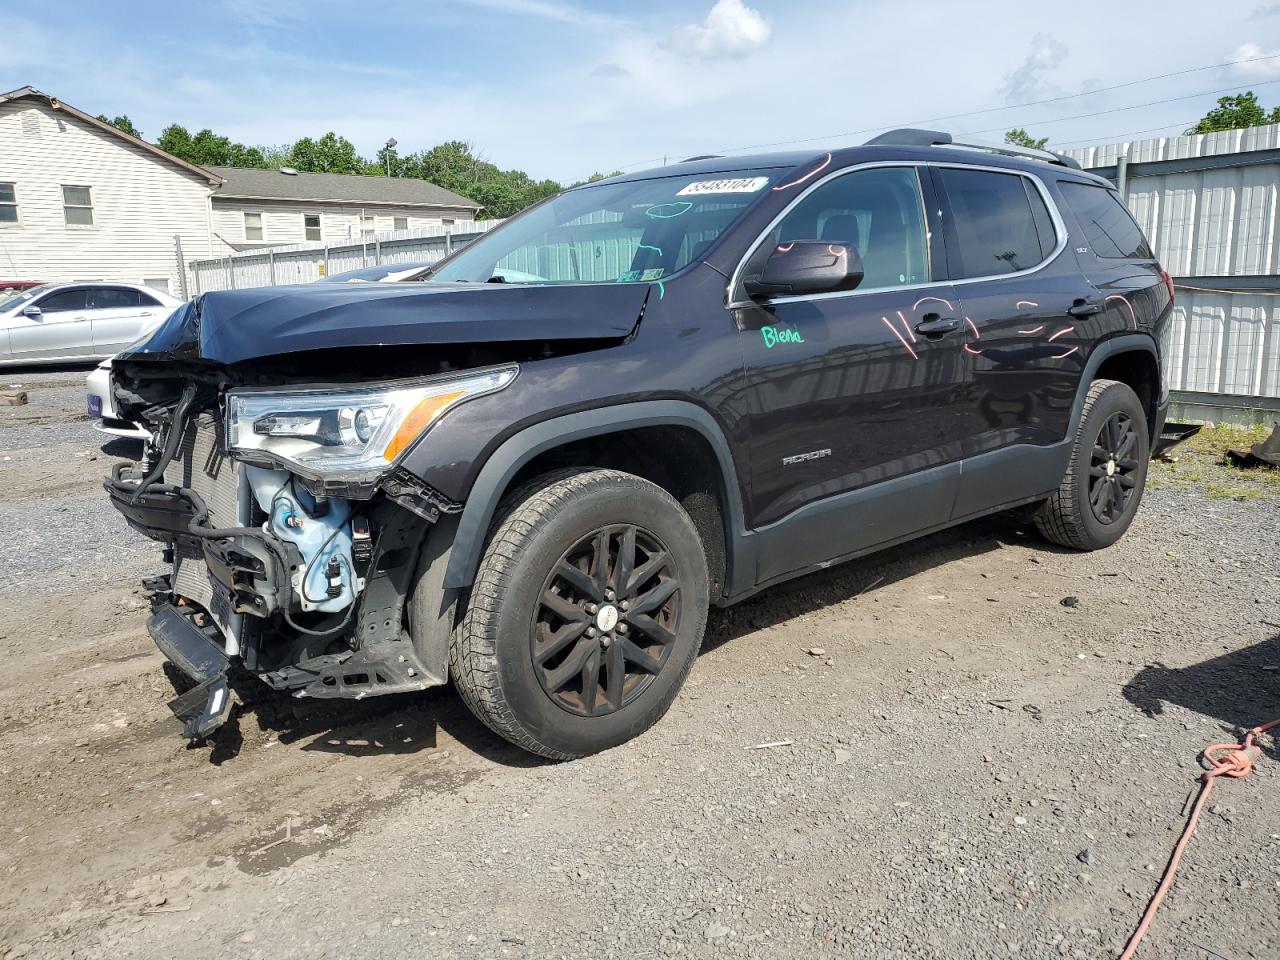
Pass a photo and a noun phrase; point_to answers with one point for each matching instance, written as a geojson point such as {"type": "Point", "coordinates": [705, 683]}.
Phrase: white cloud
{"type": "Point", "coordinates": [1028, 82]}
{"type": "Point", "coordinates": [730, 29]}
{"type": "Point", "coordinates": [1259, 69]}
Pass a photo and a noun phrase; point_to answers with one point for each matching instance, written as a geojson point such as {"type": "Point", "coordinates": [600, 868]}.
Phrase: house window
{"type": "Point", "coordinates": [447, 223]}
{"type": "Point", "coordinates": [77, 206]}
{"type": "Point", "coordinates": [157, 283]}
{"type": "Point", "coordinates": [252, 226]}
{"type": "Point", "coordinates": [401, 223]}
{"type": "Point", "coordinates": [366, 226]}
{"type": "Point", "coordinates": [311, 225]}
{"type": "Point", "coordinates": [8, 203]}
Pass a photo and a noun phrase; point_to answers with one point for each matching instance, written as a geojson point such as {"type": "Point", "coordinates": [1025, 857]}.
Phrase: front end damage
{"type": "Point", "coordinates": [298, 547]}
{"type": "Point", "coordinates": [305, 590]}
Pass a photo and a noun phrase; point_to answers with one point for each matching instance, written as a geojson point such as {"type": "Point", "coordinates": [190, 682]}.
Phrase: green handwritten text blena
{"type": "Point", "coordinates": [773, 336]}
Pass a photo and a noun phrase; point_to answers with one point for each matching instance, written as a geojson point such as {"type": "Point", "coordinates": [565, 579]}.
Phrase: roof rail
{"type": "Point", "coordinates": [910, 137]}
{"type": "Point", "coordinates": [703, 156]}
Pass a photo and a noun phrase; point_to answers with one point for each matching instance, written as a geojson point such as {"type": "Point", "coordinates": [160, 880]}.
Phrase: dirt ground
{"type": "Point", "coordinates": [934, 752]}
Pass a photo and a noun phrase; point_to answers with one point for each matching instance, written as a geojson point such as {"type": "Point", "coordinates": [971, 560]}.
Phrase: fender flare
{"type": "Point", "coordinates": [514, 452]}
{"type": "Point", "coordinates": [1125, 343]}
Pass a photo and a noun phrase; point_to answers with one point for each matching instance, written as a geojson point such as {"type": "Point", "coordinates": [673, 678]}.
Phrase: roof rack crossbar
{"type": "Point", "coordinates": [910, 137]}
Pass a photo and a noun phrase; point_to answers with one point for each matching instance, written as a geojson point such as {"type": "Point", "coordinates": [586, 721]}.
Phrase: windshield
{"type": "Point", "coordinates": [633, 232]}
{"type": "Point", "coordinates": [11, 299]}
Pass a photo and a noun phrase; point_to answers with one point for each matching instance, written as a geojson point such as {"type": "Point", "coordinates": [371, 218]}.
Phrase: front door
{"type": "Point", "coordinates": [61, 330]}
{"type": "Point", "coordinates": [854, 394]}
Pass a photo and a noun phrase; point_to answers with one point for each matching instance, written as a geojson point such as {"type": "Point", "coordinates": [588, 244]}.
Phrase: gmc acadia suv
{"type": "Point", "coordinates": [534, 470]}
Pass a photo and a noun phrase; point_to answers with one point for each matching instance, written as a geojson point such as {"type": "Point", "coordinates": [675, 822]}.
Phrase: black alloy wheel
{"type": "Point", "coordinates": [1113, 468]}
{"type": "Point", "coordinates": [606, 620]}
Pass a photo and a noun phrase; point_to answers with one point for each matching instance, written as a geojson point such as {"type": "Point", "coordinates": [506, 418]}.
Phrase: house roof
{"type": "Point", "coordinates": [246, 183]}
{"type": "Point", "coordinates": [30, 93]}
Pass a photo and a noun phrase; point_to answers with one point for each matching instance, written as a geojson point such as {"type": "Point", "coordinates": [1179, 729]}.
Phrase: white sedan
{"type": "Point", "coordinates": [75, 322]}
{"type": "Point", "coordinates": [103, 408]}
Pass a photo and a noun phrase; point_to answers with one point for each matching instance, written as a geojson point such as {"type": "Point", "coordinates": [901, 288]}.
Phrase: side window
{"type": "Point", "coordinates": [64, 301]}
{"type": "Point", "coordinates": [879, 211]}
{"type": "Point", "coordinates": [1107, 223]}
{"type": "Point", "coordinates": [993, 229]}
{"type": "Point", "coordinates": [8, 203]}
{"type": "Point", "coordinates": [146, 300]}
{"type": "Point", "coordinates": [112, 298]}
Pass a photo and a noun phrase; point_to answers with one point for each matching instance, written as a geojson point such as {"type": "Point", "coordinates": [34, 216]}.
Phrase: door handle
{"type": "Point", "coordinates": [1084, 308]}
{"type": "Point", "coordinates": [935, 326]}
{"type": "Point", "coordinates": [146, 313]}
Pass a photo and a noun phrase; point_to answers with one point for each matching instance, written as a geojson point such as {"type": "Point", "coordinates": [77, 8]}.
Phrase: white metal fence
{"type": "Point", "coordinates": [309, 262]}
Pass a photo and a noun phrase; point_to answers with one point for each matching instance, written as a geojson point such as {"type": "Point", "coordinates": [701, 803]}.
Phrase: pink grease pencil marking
{"type": "Point", "coordinates": [901, 339]}
{"type": "Point", "coordinates": [907, 327]}
{"type": "Point", "coordinates": [1132, 316]}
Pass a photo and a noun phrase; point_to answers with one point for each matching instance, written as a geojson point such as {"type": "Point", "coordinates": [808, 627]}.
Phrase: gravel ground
{"type": "Point", "coordinates": [964, 766]}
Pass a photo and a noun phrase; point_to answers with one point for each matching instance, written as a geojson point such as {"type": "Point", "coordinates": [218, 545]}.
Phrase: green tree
{"type": "Point", "coordinates": [330, 154]}
{"type": "Point", "coordinates": [122, 122]}
{"type": "Point", "coordinates": [1235, 112]}
{"type": "Point", "coordinates": [207, 148]}
{"type": "Point", "coordinates": [455, 166]}
{"type": "Point", "coordinates": [596, 176]}
{"type": "Point", "coordinates": [1020, 138]}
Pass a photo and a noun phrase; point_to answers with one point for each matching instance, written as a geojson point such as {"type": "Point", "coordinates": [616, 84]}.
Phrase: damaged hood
{"type": "Point", "coordinates": [230, 326]}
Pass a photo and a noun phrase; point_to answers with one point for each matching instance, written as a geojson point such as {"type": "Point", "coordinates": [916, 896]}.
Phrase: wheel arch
{"type": "Point", "coordinates": [1131, 359]}
{"type": "Point", "coordinates": [621, 436]}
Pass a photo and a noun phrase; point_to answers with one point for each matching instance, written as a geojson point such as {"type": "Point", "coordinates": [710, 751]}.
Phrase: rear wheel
{"type": "Point", "coordinates": [586, 615]}
{"type": "Point", "coordinates": [1106, 475]}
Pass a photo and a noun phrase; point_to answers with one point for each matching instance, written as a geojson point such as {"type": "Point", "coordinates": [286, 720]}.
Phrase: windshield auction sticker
{"type": "Point", "coordinates": [739, 185]}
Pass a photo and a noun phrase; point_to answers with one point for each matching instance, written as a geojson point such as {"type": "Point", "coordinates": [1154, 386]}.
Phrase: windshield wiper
{"type": "Point", "coordinates": [497, 278]}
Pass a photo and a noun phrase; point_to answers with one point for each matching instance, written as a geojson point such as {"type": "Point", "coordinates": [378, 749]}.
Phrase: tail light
{"type": "Point", "coordinates": [1168, 282]}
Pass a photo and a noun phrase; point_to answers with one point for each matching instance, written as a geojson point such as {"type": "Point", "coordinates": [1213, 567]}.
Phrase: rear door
{"type": "Point", "coordinates": [1018, 286]}
{"type": "Point", "coordinates": [119, 316]}
{"type": "Point", "coordinates": [61, 331]}
{"type": "Point", "coordinates": [849, 393]}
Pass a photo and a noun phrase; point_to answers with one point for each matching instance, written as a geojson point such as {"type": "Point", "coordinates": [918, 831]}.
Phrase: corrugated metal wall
{"type": "Point", "coordinates": [1215, 230]}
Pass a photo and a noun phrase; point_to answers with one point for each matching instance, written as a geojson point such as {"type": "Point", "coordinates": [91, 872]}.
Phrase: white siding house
{"type": "Point", "coordinates": [82, 200]}
{"type": "Point", "coordinates": [90, 203]}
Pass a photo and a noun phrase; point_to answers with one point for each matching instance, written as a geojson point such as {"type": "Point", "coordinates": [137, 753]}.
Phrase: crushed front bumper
{"type": "Point", "coordinates": [196, 650]}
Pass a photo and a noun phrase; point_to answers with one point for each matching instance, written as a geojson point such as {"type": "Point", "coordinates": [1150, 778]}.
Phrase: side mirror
{"type": "Point", "coordinates": [34, 312]}
{"type": "Point", "coordinates": [807, 266]}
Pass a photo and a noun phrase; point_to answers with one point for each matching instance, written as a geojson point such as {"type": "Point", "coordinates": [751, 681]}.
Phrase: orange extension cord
{"type": "Point", "coordinates": [1225, 760]}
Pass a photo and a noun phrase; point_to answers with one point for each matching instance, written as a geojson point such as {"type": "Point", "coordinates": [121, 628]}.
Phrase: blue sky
{"type": "Point", "coordinates": [563, 88]}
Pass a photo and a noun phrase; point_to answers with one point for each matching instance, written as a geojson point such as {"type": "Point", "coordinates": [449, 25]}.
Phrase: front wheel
{"type": "Point", "coordinates": [586, 615]}
{"type": "Point", "coordinates": [1106, 475]}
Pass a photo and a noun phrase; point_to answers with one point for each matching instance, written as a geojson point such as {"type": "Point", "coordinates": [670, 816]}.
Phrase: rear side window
{"type": "Point", "coordinates": [1106, 221]}
{"type": "Point", "coordinates": [993, 227]}
{"type": "Point", "coordinates": [114, 298]}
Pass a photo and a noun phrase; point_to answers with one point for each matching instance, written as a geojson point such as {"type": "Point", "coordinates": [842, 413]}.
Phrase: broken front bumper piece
{"type": "Point", "coordinates": [196, 651]}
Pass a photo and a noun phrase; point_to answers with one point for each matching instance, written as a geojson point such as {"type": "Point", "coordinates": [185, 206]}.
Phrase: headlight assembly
{"type": "Point", "coordinates": [341, 432]}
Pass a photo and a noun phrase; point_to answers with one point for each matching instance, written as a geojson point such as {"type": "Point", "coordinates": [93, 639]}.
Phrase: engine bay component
{"type": "Point", "coordinates": [324, 579]}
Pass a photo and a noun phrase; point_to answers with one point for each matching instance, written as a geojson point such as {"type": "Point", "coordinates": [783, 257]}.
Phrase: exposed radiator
{"type": "Point", "coordinates": [202, 466]}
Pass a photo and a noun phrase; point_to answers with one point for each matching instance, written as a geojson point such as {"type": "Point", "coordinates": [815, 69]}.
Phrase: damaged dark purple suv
{"type": "Point", "coordinates": [533, 471]}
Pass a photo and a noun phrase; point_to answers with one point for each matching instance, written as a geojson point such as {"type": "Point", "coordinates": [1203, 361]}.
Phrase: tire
{"type": "Point", "coordinates": [532, 622]}
{"type": "Point", "coordinates": [1106, 475]}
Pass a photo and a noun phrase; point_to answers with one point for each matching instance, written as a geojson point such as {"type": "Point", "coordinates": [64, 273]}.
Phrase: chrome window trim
{"type": "Point", "coordinates": [1059, 226]}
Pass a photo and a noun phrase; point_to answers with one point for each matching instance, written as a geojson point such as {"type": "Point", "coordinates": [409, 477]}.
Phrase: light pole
{"type": "Point", "coordinates": [391, 145]}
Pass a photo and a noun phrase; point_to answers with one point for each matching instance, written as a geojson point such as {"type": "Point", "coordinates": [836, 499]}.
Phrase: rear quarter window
{"type": "Point", "coordinates": [1108, 226]}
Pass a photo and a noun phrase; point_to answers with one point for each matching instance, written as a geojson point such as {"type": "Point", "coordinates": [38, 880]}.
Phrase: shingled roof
{"type": "Point", "coordinates": [245, 183]}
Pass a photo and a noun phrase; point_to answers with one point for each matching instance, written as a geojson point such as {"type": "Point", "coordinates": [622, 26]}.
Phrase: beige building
{"type": "Point", "coordinates": [82, 200]}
